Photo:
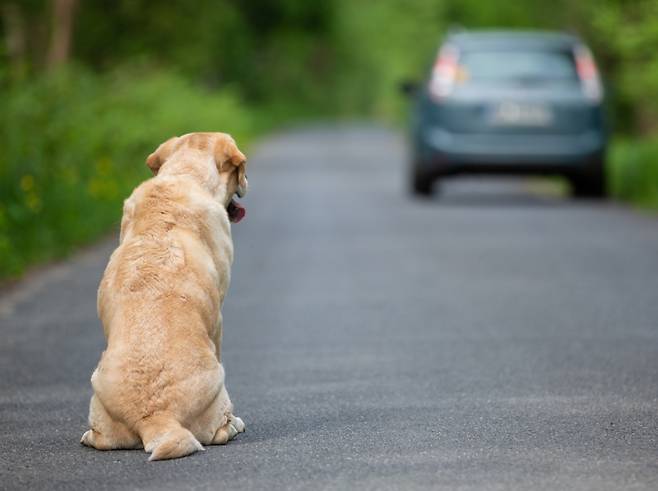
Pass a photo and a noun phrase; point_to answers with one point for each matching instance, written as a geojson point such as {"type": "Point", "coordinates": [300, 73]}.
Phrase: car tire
{"type": "Point", "coordinates": [591, 183]}
{"type": "Point", "coordinates": [422, 187]}
{"type": "Point", "coordinates": [420, 183]}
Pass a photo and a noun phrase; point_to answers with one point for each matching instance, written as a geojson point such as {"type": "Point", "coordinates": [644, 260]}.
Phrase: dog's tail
{"type": "Point", "coordinates": [165, 438]}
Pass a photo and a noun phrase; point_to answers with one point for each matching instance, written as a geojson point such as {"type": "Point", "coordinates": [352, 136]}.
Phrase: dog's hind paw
{"type": "Point", "coordinates": [237, 423]}
{"type": "Point", "coordinates": [229, 431]}
{"type": "Point", "coordinates": [87, 438]}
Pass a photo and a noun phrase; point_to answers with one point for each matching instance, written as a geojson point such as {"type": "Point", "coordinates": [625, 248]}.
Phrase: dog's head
{"type": "Point", "coordinates": [230, 163]}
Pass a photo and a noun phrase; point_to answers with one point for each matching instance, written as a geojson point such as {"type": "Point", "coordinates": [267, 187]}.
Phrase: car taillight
{"type": "Point", "coordinates": [444, 73]}
{"type": "Point", "coordinates": [588, 74]}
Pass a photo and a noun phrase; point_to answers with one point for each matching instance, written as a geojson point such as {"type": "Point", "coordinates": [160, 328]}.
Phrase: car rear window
{"type": "Point", "coordinates": [489, 65]}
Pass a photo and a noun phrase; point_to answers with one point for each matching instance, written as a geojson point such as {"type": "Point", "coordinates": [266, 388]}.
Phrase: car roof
{"type": "Point", "coordinates": [513, 39]}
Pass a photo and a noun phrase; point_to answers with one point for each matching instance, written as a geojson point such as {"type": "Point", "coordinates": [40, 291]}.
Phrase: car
{"type": "Point", "coordinates": [514, 102]}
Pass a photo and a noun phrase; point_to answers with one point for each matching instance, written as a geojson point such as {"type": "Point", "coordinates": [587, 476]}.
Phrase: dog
{"type": "Point", "coordinates": [159, 385]}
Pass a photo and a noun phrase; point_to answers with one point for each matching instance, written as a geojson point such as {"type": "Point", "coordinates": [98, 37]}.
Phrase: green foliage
{"type": "Point", "coordinates": [379, 44]}
{"type": "Point", "coordinates": [272, 49]}
{"type": "Point", "coordinates": [74, 146]}
{"type": "Point", "coordinates": [633, 172]}
{"type": "Point", "coordinates": [626, 36]}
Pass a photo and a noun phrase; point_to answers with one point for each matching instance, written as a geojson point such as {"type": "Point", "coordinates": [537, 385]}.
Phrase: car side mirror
{"type": "Point", "coordinates": [408, 87]}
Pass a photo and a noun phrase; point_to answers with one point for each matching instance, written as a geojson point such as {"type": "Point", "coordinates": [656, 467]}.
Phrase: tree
{"type": "Point", "coordinates": [61, 32]}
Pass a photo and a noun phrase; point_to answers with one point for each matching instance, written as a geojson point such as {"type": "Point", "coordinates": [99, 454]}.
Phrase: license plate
{"type": "Point", "coordinates": [521, 114]}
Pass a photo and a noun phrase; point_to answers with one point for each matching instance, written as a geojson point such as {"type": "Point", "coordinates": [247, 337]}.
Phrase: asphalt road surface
{"type": "Point", "coordinates": [495, 338]}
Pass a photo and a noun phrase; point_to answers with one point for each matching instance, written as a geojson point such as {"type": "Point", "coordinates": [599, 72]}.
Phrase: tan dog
{"type": "Point", "coordinates": [160, 384]}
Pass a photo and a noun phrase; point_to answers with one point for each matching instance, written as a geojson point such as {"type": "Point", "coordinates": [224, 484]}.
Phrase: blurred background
{"type": "Point", "coordinates": [89, 88]}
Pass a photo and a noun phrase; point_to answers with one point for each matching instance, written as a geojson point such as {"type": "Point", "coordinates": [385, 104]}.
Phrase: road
{"type": "Point", "coordinates": [493, 339]}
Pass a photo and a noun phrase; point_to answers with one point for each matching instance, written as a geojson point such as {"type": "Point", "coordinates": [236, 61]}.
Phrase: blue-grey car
{"type": "Point", "coordinates": [510, 102]}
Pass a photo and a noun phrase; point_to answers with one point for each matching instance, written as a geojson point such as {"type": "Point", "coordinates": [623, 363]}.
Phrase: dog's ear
{"type": "Point", "coordinates": [240, 160]}
{"type": "Point", "coordinates": [226, 151]}
{"type": "Point", "coordinates": [161, 154]}
{"type": "Point", "coordinates": [227, 154]}
{"type": "Point", "coordinates": [242, 179]}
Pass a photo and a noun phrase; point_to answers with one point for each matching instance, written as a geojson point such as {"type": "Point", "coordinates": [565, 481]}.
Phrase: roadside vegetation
{"type": "Point", "coordinates": [74, 145]}
{"type": "Point", "coordinates": [88, 89]}
{"type": "Point", "coordinates": [633, 172]}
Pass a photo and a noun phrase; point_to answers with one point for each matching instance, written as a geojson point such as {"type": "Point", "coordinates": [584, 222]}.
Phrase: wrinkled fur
{"type": "Point", "coordinates": [160, 383]}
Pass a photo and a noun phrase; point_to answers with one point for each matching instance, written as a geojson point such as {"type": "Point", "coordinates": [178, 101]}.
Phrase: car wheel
{"type": "Point", "coordinates": [590, 184]}
{"type": "Point", "coordinates": [422, 187]}
{"type": "Point", "coordinates": [420, 183]}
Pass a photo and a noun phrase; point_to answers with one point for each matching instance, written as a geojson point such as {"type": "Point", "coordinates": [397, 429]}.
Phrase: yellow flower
{"type": "Point", "coordinates": [27, 182]}
{"type": "Point", "coordinates": [104, 166]}
{"type": "Point", "coordinates": [33, 202]}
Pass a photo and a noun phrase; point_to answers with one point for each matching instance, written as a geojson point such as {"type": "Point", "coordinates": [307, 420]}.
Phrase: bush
{"type": "Point", "coordinates": [74, 146]}
{"type": "Point", "coordinates": [633, 170]}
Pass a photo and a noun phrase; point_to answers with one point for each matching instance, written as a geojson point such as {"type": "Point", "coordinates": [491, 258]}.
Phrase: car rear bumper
{"type": "Point", "coordinates": [445, 152]}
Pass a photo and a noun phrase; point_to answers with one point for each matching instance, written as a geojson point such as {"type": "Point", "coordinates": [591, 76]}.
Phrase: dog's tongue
{"type": "Point", "coordinates": [236, 211]}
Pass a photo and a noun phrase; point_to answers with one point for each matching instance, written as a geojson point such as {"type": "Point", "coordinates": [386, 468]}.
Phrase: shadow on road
{"type": "Point", "coordinates": [500, 192]}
